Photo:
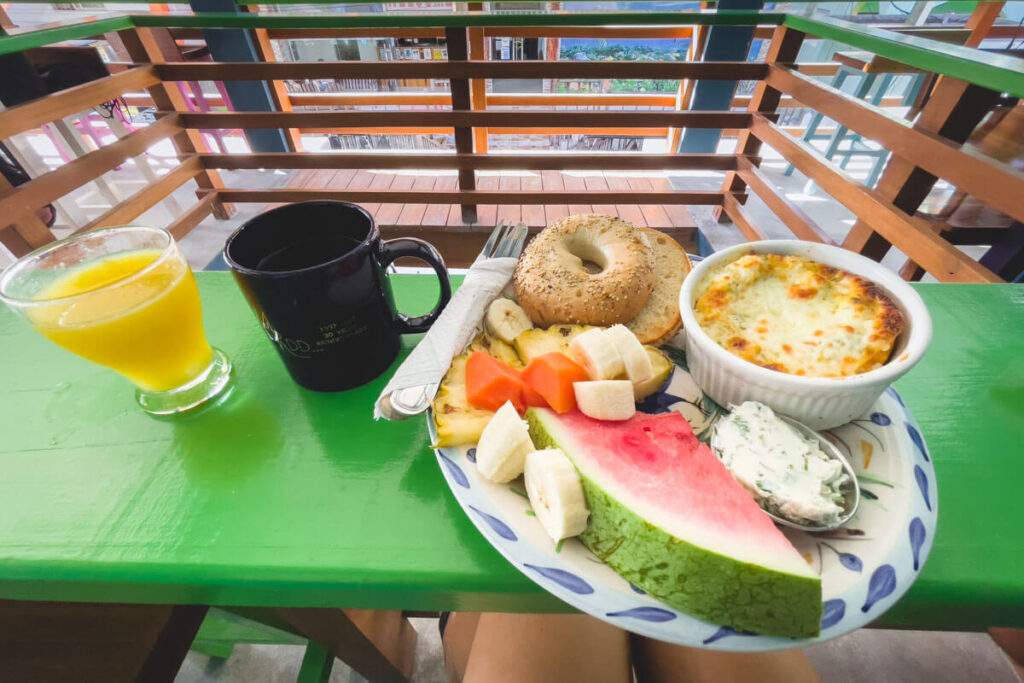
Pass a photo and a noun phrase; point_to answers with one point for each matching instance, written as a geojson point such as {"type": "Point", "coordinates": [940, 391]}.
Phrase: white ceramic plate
{"type": "Point", "coordinates": [865, 566]}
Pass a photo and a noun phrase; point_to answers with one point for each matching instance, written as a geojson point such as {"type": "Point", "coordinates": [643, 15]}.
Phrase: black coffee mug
{"type": "Point", "coordinates": [314, 274]}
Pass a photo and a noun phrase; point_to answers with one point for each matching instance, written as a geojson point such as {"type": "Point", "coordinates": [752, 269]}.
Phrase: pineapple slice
{"type": "Point", "coordinates": [457, 422]}
{"type": "Point", "coordinates": [662, 365]}
{"type": "Point", "coordinates": [496, 347]}
{"type": "Point", "coordinates": [537, 342]}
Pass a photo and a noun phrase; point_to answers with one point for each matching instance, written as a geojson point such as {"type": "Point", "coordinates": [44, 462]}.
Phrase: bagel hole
{"type": "Point", "coordinates": [591, 258]}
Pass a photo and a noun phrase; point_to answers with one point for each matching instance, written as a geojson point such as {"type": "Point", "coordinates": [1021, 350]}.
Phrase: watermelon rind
{"type": "Point", "coordinates": [705, 584]}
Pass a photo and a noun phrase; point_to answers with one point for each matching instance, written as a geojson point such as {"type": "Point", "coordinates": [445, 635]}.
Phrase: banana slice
{"type": "Point", "coordinates": [505, 319]}
{"type": "Point", "coordinates": [556, 494]}
{"type": "Point", "coordinates": [634, 357]}
{"type": "Point", "coordinates": [597, 354]}
{"type": "Point", "coordinates": [606, 399]}
{"type": "Point", "coordinates": [504, 444]}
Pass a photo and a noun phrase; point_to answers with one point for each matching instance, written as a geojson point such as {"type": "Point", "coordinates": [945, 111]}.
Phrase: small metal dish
{"type": "Point", "coordinates": [851, 491]}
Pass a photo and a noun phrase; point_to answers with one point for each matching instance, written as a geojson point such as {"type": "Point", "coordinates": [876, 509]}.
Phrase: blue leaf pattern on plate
{"type": "Point", "coordinates": [719, 634]}
{"type": "Point", "coordinates": [917, 536]}
{"type": "Point", "coordinates": [882, 584]}
{"type": "Point", "coordinates": [637, 589]}
{"type": "Point", "coordinates": [833, 613]}
{"type": "Point", "coordinates": [915, 436]}
{"type": "Point", "coordinates": [881, 419]}
{"type": "Point", "coordinates": [457, 474]}
{"type": "Point", "coordinates": [499, 526]}
{"type": "Point", "coordinates": [563, 578]}
{"type": "Point", "coordinates": [922, 483]}
{"type": "Point", "coordinates": [471, 455]}
{"type": "Point", "coordinates": [723, 632]}
{"type": "Point", "coordinates": [658, 402]}
{"type": "Point", "coordinates": [851, 562]}
{"type": "Point", "coordinates": [892, 392]}
{"type": "Point", "coordinates": [848, 560]}
{"type": "Point", "coordinates": [645, 614]}
{"type": "Point", "coordinates": [869, 494]}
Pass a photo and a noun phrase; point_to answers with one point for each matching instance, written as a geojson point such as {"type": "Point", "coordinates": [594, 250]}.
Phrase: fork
{"type": "Point", "coordinates": [506, 240]}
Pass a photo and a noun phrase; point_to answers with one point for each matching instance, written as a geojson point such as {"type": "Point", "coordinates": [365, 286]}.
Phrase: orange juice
{"type": "Point", "coordinates": [147, 325]}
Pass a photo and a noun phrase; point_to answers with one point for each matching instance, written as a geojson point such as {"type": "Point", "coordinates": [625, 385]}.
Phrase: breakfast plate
{"type": "Point", "coordinates": [865, 566]}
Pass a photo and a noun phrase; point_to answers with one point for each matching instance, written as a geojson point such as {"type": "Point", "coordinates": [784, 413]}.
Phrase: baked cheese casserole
{"type": "Point", "coordinates": [798, 316]}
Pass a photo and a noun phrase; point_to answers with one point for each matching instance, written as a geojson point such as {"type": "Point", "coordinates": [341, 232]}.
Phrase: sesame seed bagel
{"type": "Point", "coordinates": [554, 285]}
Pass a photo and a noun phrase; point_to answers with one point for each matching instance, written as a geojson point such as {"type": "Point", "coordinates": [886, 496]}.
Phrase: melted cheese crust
{"type": "Point", "coordinates": [798, 316]}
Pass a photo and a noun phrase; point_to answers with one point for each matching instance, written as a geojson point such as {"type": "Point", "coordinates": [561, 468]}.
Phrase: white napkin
{"type": "Point", "coordinates": [450, 333]}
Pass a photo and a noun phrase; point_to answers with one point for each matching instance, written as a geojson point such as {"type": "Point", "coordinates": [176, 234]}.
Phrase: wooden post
{"type": "Point", "coordinates": [27, 234]}
{"type": "Point", "coordinates": [478, 86]}
{"type": "Point", "coordinates": [953, 111]}
{"type": "Point", "coordinates": [458, 44]}
{"type": "Point", "coordinates": [278, 91]}
{"type": "Point", "coordinates": [784, 49]}
{"type": "Point", "coordinates": [142, 46]}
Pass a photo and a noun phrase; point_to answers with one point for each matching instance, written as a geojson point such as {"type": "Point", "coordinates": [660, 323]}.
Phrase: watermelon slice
{"type": "Point", "coordinates": [666, 515]}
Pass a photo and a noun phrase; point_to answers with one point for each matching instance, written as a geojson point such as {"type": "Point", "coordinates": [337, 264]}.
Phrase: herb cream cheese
{"type": "Point", "coordinates": [785, 471]}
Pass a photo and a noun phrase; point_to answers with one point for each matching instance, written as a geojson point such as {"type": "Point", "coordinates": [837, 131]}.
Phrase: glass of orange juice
{"type": "Point", "coordinates": [124, 298]}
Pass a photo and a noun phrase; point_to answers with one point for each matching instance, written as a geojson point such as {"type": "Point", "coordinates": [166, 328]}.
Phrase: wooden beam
{"type": "Point", "coordinates": [142, 46]}
{"type": "Point", "coordinates": [378, 644]}
{"type": "Point", "coordinates": [913, 237]}
{"type": "Point", "coordinates": [333, 33]}
{"type": "Point", "coordinates": [694, 197]}
{"type": "Point", "coordinates": [799, 223]}
{"type": "Point", "coordinates": [38, 192]}
{"type": "Point", "coordinates": [508, 162]}
{"type": "Point", "coordinates": [785, 47]}
{"type": "Point", "coordinates": [250, 71]}
{"type": "Point", "coordinates": [644, 32]}
{"type": "Point", "coordinates": [478, 51]}
{"type": "Point", "coordinates": [366, 99]}
{"type": "Point", "coordinates": [953, 107]}
{"type": "Point", "coordinates": [146, 198]}
{"type": "Point", "coordinates": [195, 215]}
{"type": "Point", "coordinates": [734, 211]}
{"type": "Point", "coordinates": [457, 41]}
{"type": "Point", "coordinates": [567, 120]}
{"type": "Point", "coordinates": [278, 90]}
{"type": "Point", "coordinates": [953, 111]}
{"type": "Point", "coordinates": [26, 234]}
{"type": "Point", "coordinates": [996, 183]}
{"type": "Point", "coordinates": [56, 106]}
{"type": "Point", "coordinates": [981, 20]}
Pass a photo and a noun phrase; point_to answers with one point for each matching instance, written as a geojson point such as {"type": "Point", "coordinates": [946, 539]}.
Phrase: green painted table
{"type": "Point", "coordinates": [284, 497]}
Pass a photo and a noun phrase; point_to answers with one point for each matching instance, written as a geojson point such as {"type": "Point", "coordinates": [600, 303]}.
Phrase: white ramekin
{"type": "Point", "coordinates": [819, 402]}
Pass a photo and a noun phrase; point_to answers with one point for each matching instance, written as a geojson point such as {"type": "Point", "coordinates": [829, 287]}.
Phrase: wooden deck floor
{"type": "Point", "coordinates": [442, 224]}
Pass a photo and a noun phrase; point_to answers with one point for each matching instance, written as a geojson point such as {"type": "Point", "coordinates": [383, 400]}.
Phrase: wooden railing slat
{"type": "Point", "coordinates": [38, 192]}
{"type": "Point", "coordinates": [741, 220]}
{"type": "Point", "coordinates": [694, 197]}
{"type": "Point", "coordinates": [195, 215]}
{"type": "Point", "coordinates": [568, 120]}
{"type": "Point", "coordinates": [935, 254]}
{"type": "Point", "coordinates": [799, 223]}
{"type": "Point", "coordinates": [73, 100]}
{"type": "Point", "coordinates": [146, 198]}
{"type": "Point", "coordinates": [505, 162]}
{"type": "Point", "coordinates": [242, 71]}
{"type": "Point", "coordinates": [996, 183]}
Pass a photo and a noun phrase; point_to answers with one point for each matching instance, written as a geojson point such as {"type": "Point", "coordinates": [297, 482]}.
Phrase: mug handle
{"type": "Point", "coordinates": [424, 251]}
